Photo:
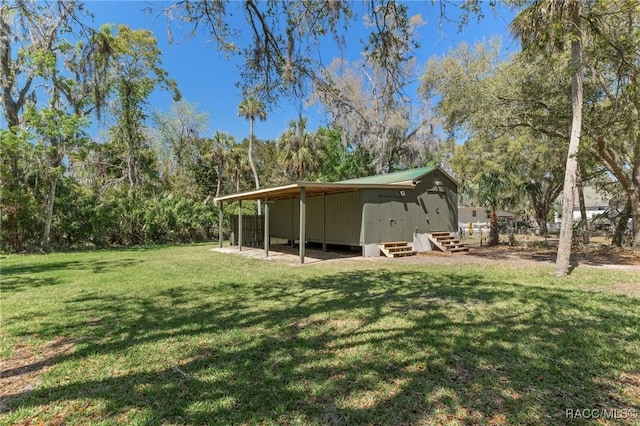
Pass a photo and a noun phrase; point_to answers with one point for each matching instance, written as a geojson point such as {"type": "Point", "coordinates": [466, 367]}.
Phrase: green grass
{"type": "Point", "coordinates": [182, 335]}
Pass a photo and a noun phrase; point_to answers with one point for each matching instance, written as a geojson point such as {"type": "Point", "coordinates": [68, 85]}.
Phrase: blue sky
{"type": "Point", "coordinates": [206, 78]}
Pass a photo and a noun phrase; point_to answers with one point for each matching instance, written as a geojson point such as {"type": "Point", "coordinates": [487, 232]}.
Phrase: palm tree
{"type": "Point", "coordinates": [547, 24]}
{"type": "Point", "coordinates": [237, 166]}
{"type": "Point", "coordinates": [220, 152]}
{"type": "Point", "coordinates": [494, 190]}
{"type": "Point", "coordinates": [298, 150]}
{"type": "Point", "coordinates": [251, 108]}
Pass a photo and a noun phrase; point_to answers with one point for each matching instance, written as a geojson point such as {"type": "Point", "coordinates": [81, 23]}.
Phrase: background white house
{"type": "Point", "coordinates": [479, 216]}
{"type": "Point", "coordinates": [594, 202]}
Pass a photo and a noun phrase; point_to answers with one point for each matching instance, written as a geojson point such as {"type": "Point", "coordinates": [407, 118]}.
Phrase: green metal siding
{"type": "Point", "coordinates": [388, 215]}
{"type": "Point", "coordinates": [344, 218]}
{"type": "Point", "coordinates": [436, 210]}
{"type": "Point", "coordinates": [342, 214]}
{"type": "Point", "coordinates": [280, 218]}
{"type": "Point", "coordinates": [315, 217]}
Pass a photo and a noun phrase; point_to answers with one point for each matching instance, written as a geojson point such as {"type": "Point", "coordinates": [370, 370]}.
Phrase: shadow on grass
{"type": "Point", "coordinates": [21, 283]}
{"type": "Point", "coordinates": [20, 277]}
{"type": "Point", "coordinates": [357, 347]}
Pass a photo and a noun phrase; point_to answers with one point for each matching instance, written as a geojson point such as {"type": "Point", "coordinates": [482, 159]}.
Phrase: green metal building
{"type": "Point", "coordinates": [364, 212]}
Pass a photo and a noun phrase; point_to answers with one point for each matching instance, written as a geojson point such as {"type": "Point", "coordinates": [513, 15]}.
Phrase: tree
{"type": "Point", "coordinates": [129, 146]}
{"type": "Point", "coordinates": [613, 103]}
{"type": "Point", "coordinates": [251, 108]}
{"type": "Point", "coordinates": [507, 112]}
{"type": "Point", "coordinates": [298, 150]}
{"type": "Point", "coordinates": [531, 163]}
{"type": "Point", "coordinates": [178, 133]}
{"type": "Point", "coordinates": [387, 128]}
{"type": "Point", "coordinates": [284, 45]}
{"type": "Point", "coordinates": [494, 189]}
{"type": "Point", "coordinates": [56, 71]}
{"type": "Point", "coordinates": [138, 72]}
{"type": "Point", "coordinates": [237, 166]}
{"type": "Point", "coordinates": [73, 91]}
{"type": "Point", "coordinates": [284, 57]}
{"type": "Point", "coordinates": [547, 24]}
{"type": "Point", "coordinates": [19, 203]}
{"type": "Point", "coordinates": [33, 50]}
{"type": "Point", "coordinates": [55, 133]}
{"type": "Point", "coordinates": [268, 163]}
{"type": "Point", "coordinates": [338, 161]}
{"type": "Point", "coordinates": [368, 99]}
{"type": "Point", "coordinates": [32, 40]}
{"type": "Point", "coordinates": [221, 146]}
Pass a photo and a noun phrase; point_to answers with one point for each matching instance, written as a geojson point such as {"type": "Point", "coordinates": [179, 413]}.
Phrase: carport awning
{"type": "Point", "coordinates": [311, 188]}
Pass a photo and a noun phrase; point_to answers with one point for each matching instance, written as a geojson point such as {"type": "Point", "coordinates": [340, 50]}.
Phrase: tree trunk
{"type": "Point", "coordinates": [621, 226]}
{"type": "Point", "coordinates": [12, 189]}
{"type": "Point", "coordinates": [219, 186]}
{"type": "Point", "coordinates": [252, 164]}
{"type": "Point", "coordinates": [631, 184]}
{"type": "Point", "coordinates": [584, 221]}
{"type": "Point", "coordinates": [542, 222]}
{"type": "Point", "coordinates": [541, 209]}
{"type": "Point", "coordinates": [494, 233]}
{"type": "Point", "coordinates": [566, 227]}
{"type": "Point", "coordinates": [12, 186]}
{"type": "Point", "coordinates": [541, 201]}
{"type": "Point", "coordinates": [131, 167]}
{"type": "Point", "coordinates": [51, 197]}
{"type": "Point", "coordinates": [634, 200]}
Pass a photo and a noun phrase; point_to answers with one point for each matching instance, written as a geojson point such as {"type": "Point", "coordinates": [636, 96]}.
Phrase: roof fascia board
{"type": "Point", "coordinates": [441, 170]}
{"type": "Point", "coordinates": [451, 178]}
{"type": "Point", "coordinates": [243, 195]}
{"type": "Point", "coordinates": [260, 193]}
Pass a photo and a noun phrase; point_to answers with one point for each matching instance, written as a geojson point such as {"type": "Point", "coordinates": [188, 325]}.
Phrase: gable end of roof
{"type": "Point", "coordinates": [403, 176]}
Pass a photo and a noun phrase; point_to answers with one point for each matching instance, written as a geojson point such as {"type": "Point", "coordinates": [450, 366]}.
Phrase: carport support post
{"type": "Point", "coordinates": [303, 212]}
{"type": "Point", "coordinates": [220, 219]}
{"type": "Point", "coordinates": [266, 227]}
{"type": "Point", "coordinates": [240, 225]}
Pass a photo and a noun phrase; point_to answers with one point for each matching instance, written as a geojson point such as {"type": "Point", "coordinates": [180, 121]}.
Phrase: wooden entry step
{"type": "Point", "coordinates": [447, 242]}
{"type": "Point", "coordinates": [396, 249]}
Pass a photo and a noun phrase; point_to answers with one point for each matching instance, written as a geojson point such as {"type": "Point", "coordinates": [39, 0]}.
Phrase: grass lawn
{"type": "Point", "coordinates": [182, 335]}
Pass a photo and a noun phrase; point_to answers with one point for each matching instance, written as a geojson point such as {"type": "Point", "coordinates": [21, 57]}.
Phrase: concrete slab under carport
{"type": "Point", "coordinates": [287, 254]}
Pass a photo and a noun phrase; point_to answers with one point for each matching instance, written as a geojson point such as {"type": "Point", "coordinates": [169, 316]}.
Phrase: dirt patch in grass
{"type": "Point", "coordinates": [22, 369]}
{"type": "Point", "coordinates": [605, 254]}
{"type": "Point", "coordinates": [596, 255]}
{"type": "Point", "coordinates": [600, 256]}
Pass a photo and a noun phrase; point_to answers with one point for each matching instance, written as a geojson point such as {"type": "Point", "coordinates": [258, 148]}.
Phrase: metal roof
{"type": "Point", "coordinates": [409, 176]}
